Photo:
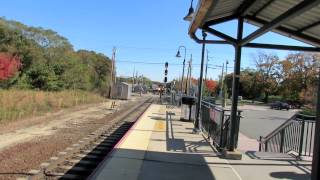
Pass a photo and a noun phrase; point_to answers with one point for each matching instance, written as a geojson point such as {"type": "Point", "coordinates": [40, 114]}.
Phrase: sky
{"type": "Point", "coordinates": [145, 33]}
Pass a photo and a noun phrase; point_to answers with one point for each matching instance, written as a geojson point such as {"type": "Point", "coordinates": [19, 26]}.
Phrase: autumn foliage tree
{"type": "Point", "coordinates": [37, 58]}
{"type": "Point", "coordinates": [9, 65]}
{"type": "Point", "coordinates": [292, 79]}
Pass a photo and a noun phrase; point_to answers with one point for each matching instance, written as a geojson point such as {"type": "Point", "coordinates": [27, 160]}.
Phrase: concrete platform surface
{"type": "Point", "coordinates": [161, 147]}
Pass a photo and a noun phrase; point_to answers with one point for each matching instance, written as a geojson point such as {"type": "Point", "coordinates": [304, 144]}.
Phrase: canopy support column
{"type": "Point", "coordinates": [197, 120]}
{"type": "Point", "coordinates": [315, 173]}
{"type": "Point", "coordinates": [235, 88]}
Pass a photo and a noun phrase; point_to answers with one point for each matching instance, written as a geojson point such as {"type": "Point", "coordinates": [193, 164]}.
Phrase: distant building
{"type": "Point", "coordinates": [122, 90]}
{"type": "Point", "coordinates": [140, 88]}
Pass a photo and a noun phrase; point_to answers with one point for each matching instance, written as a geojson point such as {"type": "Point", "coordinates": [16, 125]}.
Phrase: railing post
{"type": "Point", "coordinates": [237, 128]}
{"type": "Point", "coordinates": [301, 137]}
{"type": "Point", "coordinates": [282, 135]}
{"type": "Point", "coordinates": [221, 128]}
{"type": "Point", "coordinates": [208, 121]}
{"type": "Point", "coordinates": [266, 146]}
{"type": "Point", "coordinates": [260, 141]}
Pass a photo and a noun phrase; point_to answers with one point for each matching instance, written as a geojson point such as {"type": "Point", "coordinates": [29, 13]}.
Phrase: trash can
{"type": "Point", "coordinates": [188, 108]}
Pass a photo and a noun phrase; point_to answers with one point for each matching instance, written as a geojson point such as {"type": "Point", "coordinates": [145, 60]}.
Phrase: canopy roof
{"type": "Point", "coordinates": [298, 19]}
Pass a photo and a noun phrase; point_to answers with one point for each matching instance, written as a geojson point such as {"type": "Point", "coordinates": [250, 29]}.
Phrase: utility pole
{"type": "Point", "coordinates": [113, 74]}
{"type": "Point", "coordinates": [132, 88]}
{"type": "Point", "coordinates": [187, 80]}
{"type": "Point", "coordinates": [205, 77]}
{"type": "Point", "coordinates": [225, 87]}
{"type": "Point", "coordinates": [134, 69]}
{"type": "Point", "coordinates": [222, 85]}
{"type": "Point", "coordinates": [190, 66]}
{"type": "Point", "coordinates": [137, 80]}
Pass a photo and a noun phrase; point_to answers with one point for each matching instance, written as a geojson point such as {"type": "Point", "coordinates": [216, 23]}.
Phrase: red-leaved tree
{"type": "Point", "coordinates": [211, 85]}
{"type": "Point", "coordinates": [9, 65]}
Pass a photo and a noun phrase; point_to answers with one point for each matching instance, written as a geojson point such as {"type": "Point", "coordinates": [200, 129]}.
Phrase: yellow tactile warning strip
{"type": "Point", "coordinates": [126, 159]}
{"type": "Point", "coordinates": [159, 126]}
{"type": "Point", "coordinates": [139, 135]}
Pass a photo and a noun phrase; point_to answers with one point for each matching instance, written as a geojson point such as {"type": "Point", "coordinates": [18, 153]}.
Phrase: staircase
{"type": "Point", "coordinates": [294, 136]}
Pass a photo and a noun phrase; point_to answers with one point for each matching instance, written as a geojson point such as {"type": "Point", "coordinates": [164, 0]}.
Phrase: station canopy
{"type": "Point", "coordinates": [297, 19]}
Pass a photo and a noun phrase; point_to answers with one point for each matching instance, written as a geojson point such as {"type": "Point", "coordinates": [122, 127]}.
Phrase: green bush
{"type": "Point", "coordinates": [275, 98]}
{"type": "Point", "coordinates": [308, 111]}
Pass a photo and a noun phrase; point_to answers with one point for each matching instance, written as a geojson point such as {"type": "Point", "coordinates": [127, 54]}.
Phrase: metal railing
{"type": "Point", "coordinates": [294, 135]}
{"type": "Point", "coordinates": [215, 124]}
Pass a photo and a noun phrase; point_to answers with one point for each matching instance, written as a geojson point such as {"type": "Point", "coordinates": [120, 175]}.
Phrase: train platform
{"type": "Point", "coordinates": [161, 147]}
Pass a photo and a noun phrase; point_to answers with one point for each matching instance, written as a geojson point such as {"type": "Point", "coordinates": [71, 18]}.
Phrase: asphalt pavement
{"type": "Point", "coordinates": [261, 120]}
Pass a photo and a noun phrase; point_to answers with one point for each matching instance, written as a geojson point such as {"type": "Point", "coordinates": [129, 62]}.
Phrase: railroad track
{"type": "Point", "coordinates": [80, 160]}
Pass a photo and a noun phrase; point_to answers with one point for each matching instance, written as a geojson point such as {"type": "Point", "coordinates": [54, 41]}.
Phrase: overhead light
{"type": "Point", "coordinates": [189, 16]}
{"type": "Point", "coordinates": [178, 54]}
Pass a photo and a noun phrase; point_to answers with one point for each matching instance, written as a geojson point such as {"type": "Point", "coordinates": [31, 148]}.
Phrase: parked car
{"type": "Point", "coordinates": [295, 104]}
{"type": "Point", "coordinates": [280, 105]}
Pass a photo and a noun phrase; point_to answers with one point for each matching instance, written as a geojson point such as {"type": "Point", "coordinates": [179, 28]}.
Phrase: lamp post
{"type": "Point", "coordinates": [188, 81]}
{"type": "Point", "coordinates": [184, 62]}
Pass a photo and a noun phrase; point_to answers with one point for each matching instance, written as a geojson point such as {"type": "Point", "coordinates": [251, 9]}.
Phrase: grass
{"type": "Point", "coordinates": [250, 102]}
{"type": "Point", "coordinates": [19, 104]}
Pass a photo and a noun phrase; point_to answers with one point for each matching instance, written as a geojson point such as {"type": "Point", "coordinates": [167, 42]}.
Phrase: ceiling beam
{"type": "Point", "coordinates": [246, 6]}
{"type": "Point", "coordinates": [291, 13]}
{"type": "Point", "coordinates": [194, 37]}
{"type": "Point", "coordinates": [263, 7]}
{"type": "Point", "coordinates": [286, 32]}
{"type": "Point", "coordinates": [220, 35]}
{"type": "Point", "coordinates": [220, 20]}
{"type": "Point", "coordinates": [309, 26]}
{"type": "Point", "coordinates": [282, 47]}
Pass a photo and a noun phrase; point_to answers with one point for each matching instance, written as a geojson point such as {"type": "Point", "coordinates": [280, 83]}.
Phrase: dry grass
{"type": "Point", "coordinates": [18, 104]}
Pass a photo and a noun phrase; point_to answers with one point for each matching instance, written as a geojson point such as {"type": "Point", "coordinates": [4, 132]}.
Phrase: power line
{"type": "Point", "coordinates": [161, 63]}
{"type": "Point", "coordinates": [195, 51]}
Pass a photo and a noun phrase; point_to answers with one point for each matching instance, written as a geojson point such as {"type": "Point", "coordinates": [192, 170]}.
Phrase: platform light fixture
{"type": "Point", "coordinates": [189, 16]}
{"type": "Point", "coordinates": [178, 54]}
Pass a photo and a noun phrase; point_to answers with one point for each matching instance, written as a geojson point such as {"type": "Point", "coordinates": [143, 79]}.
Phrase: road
{"type": "Point", "coordinates": [261, 120]}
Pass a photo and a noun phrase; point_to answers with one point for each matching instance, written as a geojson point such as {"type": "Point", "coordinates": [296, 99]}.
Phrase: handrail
{"type": "Point", "coordinates": [278, 129]}
{"type": "Point", "coordinates": [215, 122]}
{"type": "Point", "coordinates": [285, 124]}
{"type": "Point", "coordinates": [208, 104]}
{"type": "Point", "coordinates": [295, 134]}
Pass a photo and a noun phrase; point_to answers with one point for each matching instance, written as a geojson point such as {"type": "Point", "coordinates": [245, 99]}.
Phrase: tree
{"type": "Point", "coordinates": [210, 87]}
{"type": "Point", "coordinates": [298, 76]}
{"type": "Point", "coordinates": [9, 66]}
{"type": "Point", "coordinates": [266, 65]}
{"type": "Point", "coordinates": [45, 60]}
{"type": "Point", "coordinates": [250, 88]}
